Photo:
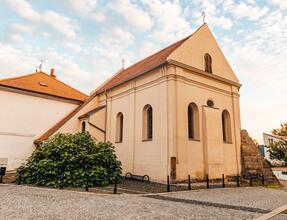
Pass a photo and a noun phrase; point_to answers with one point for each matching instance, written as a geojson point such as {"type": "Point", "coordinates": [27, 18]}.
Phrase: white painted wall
{"type": "Point", "coordinates": [280, 175]}
{"type": "Point", "coordinates": [23, 118]}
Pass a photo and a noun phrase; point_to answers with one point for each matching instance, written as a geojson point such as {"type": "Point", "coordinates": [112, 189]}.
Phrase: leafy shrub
{"type": "Point", "coordinates": [71, 160]}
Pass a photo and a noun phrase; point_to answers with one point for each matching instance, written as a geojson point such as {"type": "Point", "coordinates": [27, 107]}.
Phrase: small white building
{"type": "Point", "coordinates": [30, 105]}
{"type": "Point", "coordinates": [269, 139]}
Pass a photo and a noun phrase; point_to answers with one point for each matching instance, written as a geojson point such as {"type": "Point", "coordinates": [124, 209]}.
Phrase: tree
{"type": "Point", "coordinates": [71, 160]}
{"type": "Point", "coordinates": [282, 131]}
{"type": "Point", "coordinates": [278, 150]}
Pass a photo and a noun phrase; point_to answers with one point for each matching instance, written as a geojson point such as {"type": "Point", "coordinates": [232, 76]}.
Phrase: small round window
{"type": "Point", "coordinates": [210, 103]}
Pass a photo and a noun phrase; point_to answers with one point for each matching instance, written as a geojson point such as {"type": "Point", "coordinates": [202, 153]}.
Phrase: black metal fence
{"type": "Point", "coordinates": [247, 179]}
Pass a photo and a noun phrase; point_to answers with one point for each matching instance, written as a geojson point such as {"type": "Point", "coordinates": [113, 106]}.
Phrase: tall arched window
{"type": "Point", "coordinates": [193, 121]}
{"type": "Point", "coordinates": [226, 127]}
{"type": "Point", "coordinates": [119, 127]}
{"type": "Point", "coordinates": [208, 63]}
{"type": "Point", "coordinates": [83, 126]}
{"type": "Point", "coordinates": [147, 123]}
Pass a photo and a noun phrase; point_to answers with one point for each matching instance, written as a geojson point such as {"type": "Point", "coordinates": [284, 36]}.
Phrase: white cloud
{"type": "Point", "coordinates": [252, 12]}
{"type": "Point", "coordinates": [223, 22]}
{"type": "Point", "coordinates": [282, 4]}
{"type": "Point", "coordinates": [170, 23]}
{"type": "Point", "coordinates": [60, 23]}
{"type": "Point", "coordinates": [22, 28]}
{"type": "Point", "coordinates": [132, 14]}
{"type": "Point", "coordinates": [16, 38]}
{"type": "Point", "coordinates": [88, 8]}
{"type": "Point", "coordinates": [24, 9]}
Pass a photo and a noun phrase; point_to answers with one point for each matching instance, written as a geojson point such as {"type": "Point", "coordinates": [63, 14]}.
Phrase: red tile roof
{"type": "Point", "coordinates": [43, 83]}
{"type": "Point", "coordinates": [141, 67]}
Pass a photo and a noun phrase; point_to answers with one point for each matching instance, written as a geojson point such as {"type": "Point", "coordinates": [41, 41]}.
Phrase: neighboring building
{"type": "Point", "coordinates": [280, 173]}
{"type": "Point", "coordinates": [173, 113]}
{"type": "Point", "coordinates": [30, 105]}
{"type": "Point", "coordinates": [268, 140]}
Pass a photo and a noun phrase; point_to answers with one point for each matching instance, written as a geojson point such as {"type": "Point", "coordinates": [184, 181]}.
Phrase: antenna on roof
{"type": "Point", "coordinates": [40, 67]}
{"type": "Point", "coordinates": [123, 62]}
{"type": "Point", "coordinates": [203, 17]}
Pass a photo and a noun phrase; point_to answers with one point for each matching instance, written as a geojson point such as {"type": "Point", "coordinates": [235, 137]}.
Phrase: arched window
{"type": "Point", "coordinates": [226, 127]}
{"type": "Point", "coordinates": [193, 121]}
{"type": "Point", "coordinates": [119, 127]}
{"type": "Point", "coordinates": [83, 126]}
{"type": "Point", "coordinates": [147, 123]}
{"type": "Point", "coordinates": [208, 63]}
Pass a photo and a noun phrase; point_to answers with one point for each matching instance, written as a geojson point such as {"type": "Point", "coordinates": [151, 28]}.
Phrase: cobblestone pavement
{"type": "Point", "coordinates": [21, 202]}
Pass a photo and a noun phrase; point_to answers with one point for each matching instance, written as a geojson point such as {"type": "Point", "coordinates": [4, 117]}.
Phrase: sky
{"type": "Point", "coordinates": [86, 40]}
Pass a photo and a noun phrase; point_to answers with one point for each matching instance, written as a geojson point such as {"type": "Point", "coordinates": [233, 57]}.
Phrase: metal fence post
{"type": "Point", "coordinates": [87, 184]}
{"type": "Point", "coordinates": [223, 183]}
{"type": "Point", "coordinates": [237, 180]}
{"type": "Point", "coordinates": [168, 186]}
{"type": "Point", "coordinates": [116, 188]}
{"type": "Point", "coordinates": [263, 180]}
{"type": "Point", "coordinates": [207, 181]}
{"type": "Point", "coordinates": [19, 179]}
{"type": "Point", "coordinates": [189, 183]}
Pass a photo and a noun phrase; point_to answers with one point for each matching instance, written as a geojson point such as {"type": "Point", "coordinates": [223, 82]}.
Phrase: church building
{"type": "Point", "coordinates": [173, 113]}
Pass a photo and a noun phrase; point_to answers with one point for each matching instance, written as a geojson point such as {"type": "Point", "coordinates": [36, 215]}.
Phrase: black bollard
{"type": "Point", "coordinates": [168, 186]}
{"type": "Point", "coordinates": [207, 181]}
{"type": "Point", "coordinates": [237, 180]}
{"type": "Point", "coordinates": [189, 183]}
{"type": "Point", "coordinates": [19, 179]}
{"type": "Point", "coordinates": [115, 188]}
{"type": "Point", "coordinates": [223, 183]}
{"type": "Point", "coordinates": [87, 184]}
{"type": "Point", "coordinates": [1, 178]}
{"type": "Point", "coordinates": [250, 180]}
{"type": "Point", "coordinates": [262, 180]}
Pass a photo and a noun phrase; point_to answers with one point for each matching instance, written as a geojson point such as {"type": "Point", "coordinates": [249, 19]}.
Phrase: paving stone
{"type": "Point", "coordinates": [21, 202]}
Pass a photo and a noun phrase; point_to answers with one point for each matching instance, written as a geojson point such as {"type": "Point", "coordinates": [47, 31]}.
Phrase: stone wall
{"type": "Point", "coordinates": [252, 161]}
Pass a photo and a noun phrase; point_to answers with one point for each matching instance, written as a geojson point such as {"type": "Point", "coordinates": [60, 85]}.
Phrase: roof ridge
{"type": "Point", "coordinates": [45, 74]}
{"type": "Point", "coordinates": [165, 50]}
{"type": "Point", "coordinates": [19, 77]}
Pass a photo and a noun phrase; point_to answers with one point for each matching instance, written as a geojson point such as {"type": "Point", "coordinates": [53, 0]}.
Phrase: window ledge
{"type": "Point", "coordinates": [117, 142]}
{"type": "Point", "coordinates": [192, 139]}
{"type": "Point", "coordinates": [144, 140]}
{"type": "Point", "coordinates": [227, 142]}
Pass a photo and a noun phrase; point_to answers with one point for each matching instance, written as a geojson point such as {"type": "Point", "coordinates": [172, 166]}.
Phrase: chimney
{"type": "Point", "coordinates": [52, 73]}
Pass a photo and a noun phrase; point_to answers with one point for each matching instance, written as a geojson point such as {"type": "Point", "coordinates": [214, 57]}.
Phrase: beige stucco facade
{"type": "Point", "coordinates": [169, 89]}
{"type": "Point", "coordinates": [24, 117]}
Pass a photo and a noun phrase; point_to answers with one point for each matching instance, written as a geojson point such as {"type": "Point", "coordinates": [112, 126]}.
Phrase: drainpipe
{"type": "Point", "coordinates": [106, 116]}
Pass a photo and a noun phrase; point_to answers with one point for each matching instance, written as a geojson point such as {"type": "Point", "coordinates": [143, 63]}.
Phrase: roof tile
{"type": "Point", "coordinates": [43, 83]}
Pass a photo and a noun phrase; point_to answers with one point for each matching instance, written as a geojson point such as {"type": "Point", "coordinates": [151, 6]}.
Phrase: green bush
{"type": "Point", "coordinates": [71, 160]}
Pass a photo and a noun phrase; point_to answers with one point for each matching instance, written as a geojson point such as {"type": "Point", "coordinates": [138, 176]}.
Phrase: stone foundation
{"type": "Point", "coordinates": [252, 161]}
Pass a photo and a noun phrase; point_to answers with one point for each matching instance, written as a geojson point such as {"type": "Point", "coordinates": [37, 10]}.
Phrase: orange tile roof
{"type": "Point", "coordinates": [43, 83]}
{"type": "Point", "coordinates": [142, 66]}
{"type": "Point", "coordinates": [157, 59]}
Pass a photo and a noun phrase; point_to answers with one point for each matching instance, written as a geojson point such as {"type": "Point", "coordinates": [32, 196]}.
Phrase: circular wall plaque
{"type": "Point", "coordinates": [210, 103]}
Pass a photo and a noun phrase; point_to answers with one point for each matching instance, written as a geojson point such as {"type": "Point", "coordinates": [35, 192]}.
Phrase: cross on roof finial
{"type": "Point", "coordinates": [203, 17]}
